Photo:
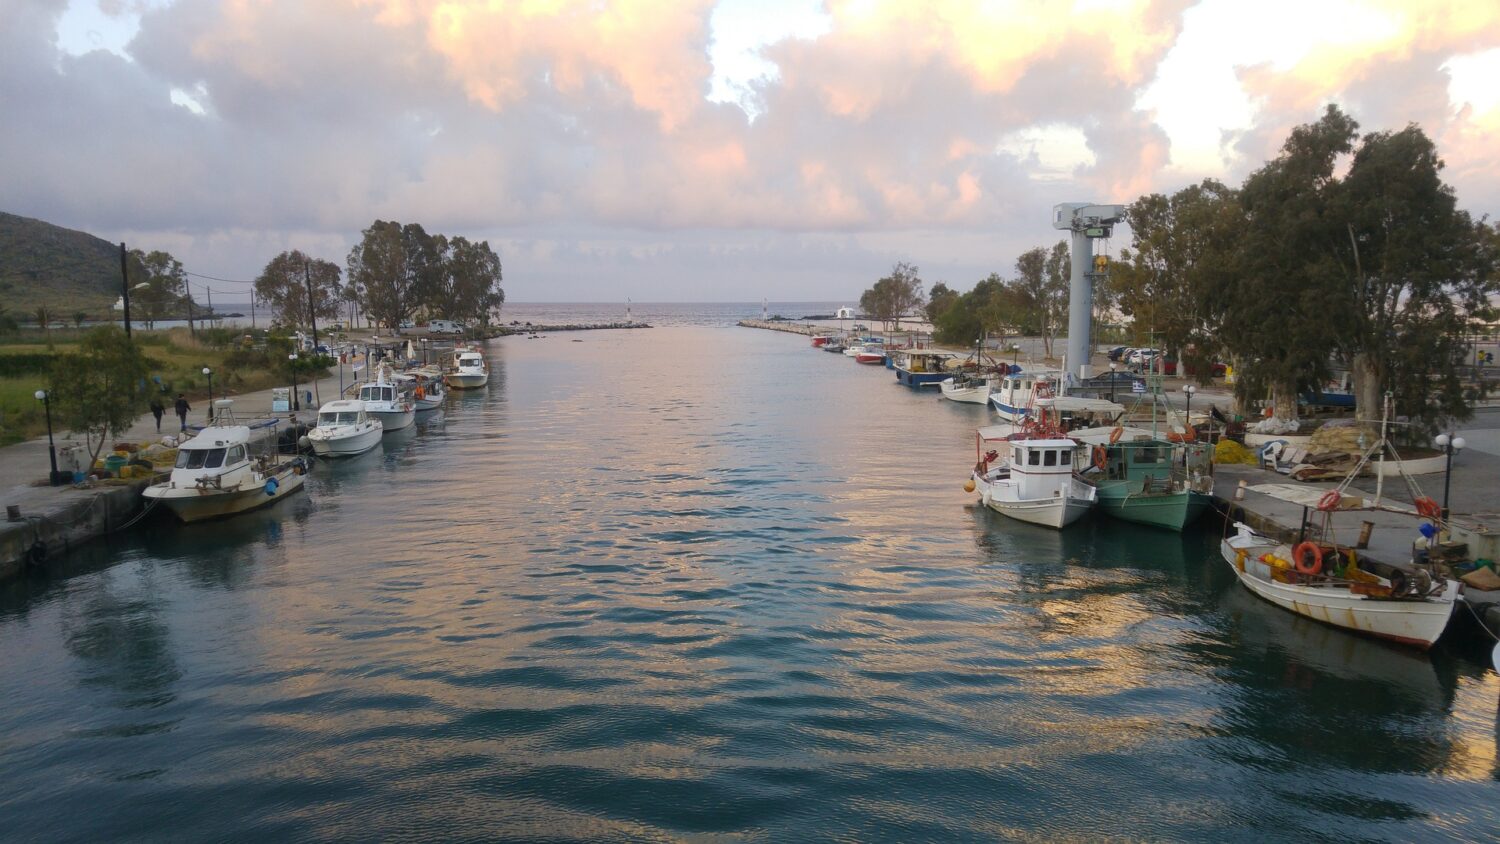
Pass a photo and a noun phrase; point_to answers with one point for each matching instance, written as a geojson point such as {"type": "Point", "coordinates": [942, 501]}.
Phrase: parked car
{"type": "Point", "coordinates": [1116, 353]}
{"type": "Point", "coordinates": [446, 326]}
{"type": "Point", "coordinates": [1142, 357]}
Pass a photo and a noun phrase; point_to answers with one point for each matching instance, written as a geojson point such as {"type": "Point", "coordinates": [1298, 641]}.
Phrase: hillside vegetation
{"type": "Point", "coordinates": [63, 269]}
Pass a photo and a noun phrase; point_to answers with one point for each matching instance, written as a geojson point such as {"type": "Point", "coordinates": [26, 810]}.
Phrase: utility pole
{"type": "Point", "coordinates": [252, 309]}
{"type": "Point", "coordinates": [312, 317]}
{"type": "Point", "coordinates": [125, 288]}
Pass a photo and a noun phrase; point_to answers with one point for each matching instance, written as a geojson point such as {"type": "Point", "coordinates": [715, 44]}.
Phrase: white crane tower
{"type": "Point", "coordinates": [1088, 223]}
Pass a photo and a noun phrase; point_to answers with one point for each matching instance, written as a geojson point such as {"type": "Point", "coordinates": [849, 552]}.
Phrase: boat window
{"type": "Point", "coordinates": [1033, 458]}
{"type": "Point", "coordinates": [1050, 459]}
{"type": "Point", "coordinates": [1147, 455]}
{"type": "Point", "coordinates": [1017, 458]}
{"type": "Point", "coordinates": [236, 455]}
{"type": "Point", "coordinates": [185, 458]}
{"type": "Point", "coordinates": [213, 458]}
{"type": "Point", "coordinates": [327, 418]}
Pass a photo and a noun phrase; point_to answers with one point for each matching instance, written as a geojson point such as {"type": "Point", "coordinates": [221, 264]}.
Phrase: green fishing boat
{"type": "Point", "coordinates": [1150, 481]}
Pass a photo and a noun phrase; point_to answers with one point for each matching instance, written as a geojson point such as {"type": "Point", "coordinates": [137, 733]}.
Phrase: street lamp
{"type": "Point", "coordinates": [1187, 410]}
{"type": "Point", "coordinates": [1112, 367]}
{"type": "Point", "coordinates": [210, 374]}
{"type": "Point", "coordinates": [293, 358]}
{"type": "Point", "coordinates": [1450, 444]}
{"type": "Point", "coordinates": [46, 400]}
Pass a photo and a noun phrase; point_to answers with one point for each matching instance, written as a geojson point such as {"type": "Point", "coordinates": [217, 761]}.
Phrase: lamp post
{"type": "Point", "coordinates": [46, 400]}
{"type": "Point", "coordinates": [1187, 410]}
{"type": "Point", "coordinates": [210, 374]}
{"type": "Point", "coordinates": [293, 366]}
{"type": "Point", "coordinates": [1112, 367]}
{"type": "Point", "coordinates": [1450, 444]}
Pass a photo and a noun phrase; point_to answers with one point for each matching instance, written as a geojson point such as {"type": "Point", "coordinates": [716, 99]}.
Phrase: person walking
{"type": "Point", "coordinates": [157, 410]}
{"type": "Point", "coordinates": [182, 408]}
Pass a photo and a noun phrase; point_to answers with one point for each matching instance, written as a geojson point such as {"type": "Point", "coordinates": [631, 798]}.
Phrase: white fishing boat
{"type": "Point", "coordinates": [384, 401]}
{"type": "Point", "coordinates": [468, 371]}
{"type": "Point", "coordinates": [344, 429]}
{"type": "Point", "coordinates": [1013, 396]}
{"type": "Point", "coordinates": [1031, 480]}
{"type": "Point", "coordinates": [425, 386]}
{"type": "Point", "coordinates": [1336, 586]}
{"type": "Point", "coordinates": [216, 476]}
{"type": "Point", "coordinates": [969, 388]}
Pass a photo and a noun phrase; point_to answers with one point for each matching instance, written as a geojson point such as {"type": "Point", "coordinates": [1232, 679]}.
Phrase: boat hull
{"type": "Point", "coordinates": [394, 420]}
{"type": "Point", "coordinates": [1054, 513]}
{"type": "Point", "coordinates": [467, 381]}
{"type": "Point", "coordinates": [1415, 623]}
{"type": "Point", "coordinates": [1173, 511]}
{"type": "Point", "coordinates": [866, 357]}
{"type": "Point", "coordinates": [194, 505]}
{"type": "Point", "coordinates": [907, 378]}
{"type": "Point", "coordinates": [429, 402]}
{"type": "Point", "coordinates": [346, 446]}
{"type": "Point", "coordinates": [967, 395]}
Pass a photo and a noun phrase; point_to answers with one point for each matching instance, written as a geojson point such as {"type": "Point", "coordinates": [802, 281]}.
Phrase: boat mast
{"type": "Point", "coordinates": [1385, 415]}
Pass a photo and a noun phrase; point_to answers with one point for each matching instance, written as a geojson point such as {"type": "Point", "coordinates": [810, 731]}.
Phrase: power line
{"type": "Point", "coordinates": [216, 278]}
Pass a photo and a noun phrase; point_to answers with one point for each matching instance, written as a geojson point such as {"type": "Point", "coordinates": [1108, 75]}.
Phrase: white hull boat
{"type": "Point", "coordinates": [1413, 610]}
{"type": "Point", "coordinates": [969, 391]}
{"type": "Point", "coordinates": [344, 430]}
{"type": "Point", "coordinates": [1038, 485]}
{"type": "Point", "coordinates": [216, 477]}
{"type": "Point", "coordinates": [384, 402]}
{"type": "Point", "coordinates": [469, 370]}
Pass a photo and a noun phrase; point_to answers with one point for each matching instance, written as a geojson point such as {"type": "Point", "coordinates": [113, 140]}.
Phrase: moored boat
{"type": "Point", "coordinates": [344, 429]}
{"type": "Point", "coordinates": [922, 367]}
{"type": "Point", "coordinates": [384, 400]}
{"type": "Point", "coordinates": [1031, 480]}
{"type": "Point", "coordinates": [469, 371]}
{"type": "Point", "coordinates": [1012, 397]}
{"type": "Point", "coordinates": [969, 388]}
{"type": "Point", "coordinates": [871, 353]}
{"type": "Point", "coordinates": [1337, 586]}
{"type": "Point", "coordinates": [818, 340]}
{"type": "Point", "coordinates": [216, 476]}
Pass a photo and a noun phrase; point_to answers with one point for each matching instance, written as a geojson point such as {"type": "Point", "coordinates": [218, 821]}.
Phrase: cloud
{"type": "Point", "coordinates": [941, 133]}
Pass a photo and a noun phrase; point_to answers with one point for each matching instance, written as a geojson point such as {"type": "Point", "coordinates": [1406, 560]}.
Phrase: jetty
{"type": "Point", "coordinates": [780, 325]}
{"type": "Point", "coordinates": [529, 328]}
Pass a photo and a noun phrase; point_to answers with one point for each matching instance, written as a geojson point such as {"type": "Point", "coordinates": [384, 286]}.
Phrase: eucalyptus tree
{"type": "Point", "coordinates": [159, 288]}
{"type": "Point", "coordinates": [467, 283]}
{"type": "Point", "coordinates": [1042, 287]}
{"type": "Point", "coordinates": [895, 296]}
{"type": "Point", "coordinates": [297, 288]}
{"type": "Point", "coordinates": [394, 267]}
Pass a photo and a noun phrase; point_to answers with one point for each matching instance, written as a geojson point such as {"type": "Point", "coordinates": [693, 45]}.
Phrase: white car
{"type": "Point", "coordinates": [1142, 357]}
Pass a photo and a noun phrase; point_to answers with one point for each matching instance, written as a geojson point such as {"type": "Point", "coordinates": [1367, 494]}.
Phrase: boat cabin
{"type": "Point", "coordinates": [1037, 466]}
{"type": "Point", "coordinates": [922, 367]}
{"type": "Point", "coordinates": [1014, 395]}
{"type": "Point", "coordinates": [378, 393]}
{"type": "Point", "coordinates": [219, 454]}
{"type": "Point", "coordinates": [341, 412]}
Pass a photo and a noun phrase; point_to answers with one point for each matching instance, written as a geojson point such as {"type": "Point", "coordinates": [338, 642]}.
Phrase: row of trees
{"type": "Point", "coordinates": [395, 272]}
{"type": "Point", "coordinates": [1344, 249]}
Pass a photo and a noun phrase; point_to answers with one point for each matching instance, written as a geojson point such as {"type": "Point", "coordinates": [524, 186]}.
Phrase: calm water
{"type": "Point", "coordinates": [702, 582]}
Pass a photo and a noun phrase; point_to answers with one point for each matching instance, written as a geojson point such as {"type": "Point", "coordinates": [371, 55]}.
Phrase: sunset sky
{"type": "Point", "coordinates": [695, 150]}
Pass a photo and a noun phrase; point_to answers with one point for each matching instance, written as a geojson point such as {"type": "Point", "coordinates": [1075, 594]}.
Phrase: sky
{"type": "Point", "coordinates": [693, 150]}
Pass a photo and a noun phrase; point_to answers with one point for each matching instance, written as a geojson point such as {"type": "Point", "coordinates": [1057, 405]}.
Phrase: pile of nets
{"type": "Point", "coordinates": [1229, 451]}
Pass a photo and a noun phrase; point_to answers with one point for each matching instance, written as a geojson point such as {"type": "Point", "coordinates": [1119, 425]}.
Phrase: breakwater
{"type": "Point", "coordinates": [779, 325]}
{"type": "Point", "coordinates": [528, 328]}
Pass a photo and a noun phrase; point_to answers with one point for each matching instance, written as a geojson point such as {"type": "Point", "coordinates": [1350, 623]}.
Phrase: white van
{"type": "Point", "coordinates": [445, 326]}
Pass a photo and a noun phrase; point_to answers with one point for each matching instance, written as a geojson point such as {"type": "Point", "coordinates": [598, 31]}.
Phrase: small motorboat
{"type": "Point", "coordinates": [819, 340]}
{"type": "Point", "coordinates": [216, 476]}
{"type": "Point", "coordinates": [468, 371]}
{"type": "Point", "coordinates": [426, 387]}
{"type": "Point", "coordinates": [1031, 480]}
{"type": "Point", "coordinates": [870, 353]}
{"type": "Point", "coordinates": [969, 388]}
{"type": "Point", "coordinates": [344, 429]}
{"type": "Point", "coordinates": [384, 400]}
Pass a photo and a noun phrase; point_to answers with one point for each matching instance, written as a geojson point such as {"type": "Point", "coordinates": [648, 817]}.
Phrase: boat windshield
{"type": "Point", "coordinates": [347, 417]}
{"type": "Point", "coordinates": [200, 458]}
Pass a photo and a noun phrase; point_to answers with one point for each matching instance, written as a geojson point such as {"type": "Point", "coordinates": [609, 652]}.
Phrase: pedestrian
{"type": "Point", "coordinates": [157, 410]}
{"type": "Point", "coordinates": [183, 407]}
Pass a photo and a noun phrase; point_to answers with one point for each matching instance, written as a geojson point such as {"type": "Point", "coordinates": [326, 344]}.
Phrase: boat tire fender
{"type": "Point", "coordinates": [1330, 500]}
{"type": "Point", "coordinates": [36, 555]}
{"type": "Point", "coordinates": [1300, 555]}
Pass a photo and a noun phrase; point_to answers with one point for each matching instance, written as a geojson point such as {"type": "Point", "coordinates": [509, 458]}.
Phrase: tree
{"type": "Point", "coordinates": [990, 307]}
{"type": "Point", "coordinates": [1412, 268]}
{"type": "Point", "coordinates": [97, 390]}
{"type": "Point", "coordinates": [44, 322]}
{"type": "Point", "coordinates": [166, 292]}
{"type": "Point", "coordinates": [1275, 316]}
{"type": "Point", "coordinates": [1059, 271]}
{"type": "Point", "coordinates": [895, 296]}
{"type": "Point", "coordinates": [284, 286]}
{"type": "Point", "coordinates": [1042, 285]}
{"type": "Point", "coordinates": [939, 299]}
{"type": "Point", "coordinates": [467, 284]}
{"type": "Point", "coordinates": [394, 268]}
{"type": "Point", "coordinates": [79, 317]}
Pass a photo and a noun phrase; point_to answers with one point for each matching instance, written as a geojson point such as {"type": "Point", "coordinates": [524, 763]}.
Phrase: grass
{"type": "Point", "coordinates": [177, 360]}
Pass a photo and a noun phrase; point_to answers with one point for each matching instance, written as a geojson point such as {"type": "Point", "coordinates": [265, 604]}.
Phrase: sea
{"type": "Point", "coordinates": [700, 582]}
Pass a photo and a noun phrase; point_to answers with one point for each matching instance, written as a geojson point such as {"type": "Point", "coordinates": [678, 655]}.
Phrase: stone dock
{"type": "Point", "coordinates": [511, 330]}
{"type": "Point", "coordinates": [782, 325]}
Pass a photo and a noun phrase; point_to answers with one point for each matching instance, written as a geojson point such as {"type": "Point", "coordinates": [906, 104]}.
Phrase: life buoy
{"type": "Point", "coordinates": [1101, 457]}
{"type": "Point", "coordinates": [1114, 436]}
{"type": "Point", "coordinates": [1428, 509]}
{"type": "Point", "coordinates": [1330, 500]}
{"type": "Point", "coordinates": [1299, 558]}
{"type": "Point", "coordinates": [421, 394]}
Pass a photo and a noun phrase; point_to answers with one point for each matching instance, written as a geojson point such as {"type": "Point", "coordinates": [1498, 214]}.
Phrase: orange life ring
{"type": "Point", "coordinates": [1114, 436]}
{"type": "Point", "coordinates": [421, 393]}
{"type": "Point", "coordinates": [1330, 500]}
{"type": "Point", "coordinates": [1428, 509]}
{"type": "Point", "coordinates": [1101, 457]}
{"type": "Point", "coordinates": [1299, 558]}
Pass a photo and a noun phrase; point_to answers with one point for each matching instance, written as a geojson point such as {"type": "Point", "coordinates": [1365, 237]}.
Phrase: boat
{"type": "Point", "coordinates": [426, 387]}
{"type": "Point", "coordinates": [468, 371]}
{"type": "Point", "coordinates": [1035, 480]}
{"type": "Point", "coordinates": [1012, 396]}
{"type": "Point", "coordinates": [922, 367]}
{"type": "Point", "coordinates": [834, 344]}
{"type": "Point", "coordinates": [1147, 480]}
{"type": "Point", "coordinates": [344, 429]}
{"type": "Point", "coordinates": [967, 387]}
{"type": "Point", "coordinates": [216, 476]}
{"type": "Point", "coordinates": [871, 353]}
{"type": "Point", "coordinates": [385, 401]}
{"type": "Point", "coordinates": [1337, 586]}
{"type": "Point", "coordinates": [818, 340]}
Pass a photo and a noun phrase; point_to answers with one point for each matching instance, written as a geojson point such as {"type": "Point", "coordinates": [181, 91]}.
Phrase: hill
{"type": "Point", "coordinates": [66, 270]}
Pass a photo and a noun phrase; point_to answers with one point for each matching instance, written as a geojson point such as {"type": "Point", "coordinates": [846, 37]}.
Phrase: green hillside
{"type": "Point", "coordinates": [66, 270]}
